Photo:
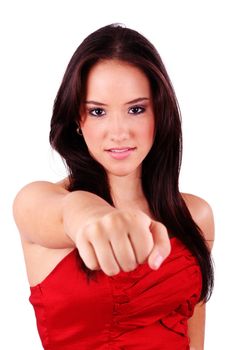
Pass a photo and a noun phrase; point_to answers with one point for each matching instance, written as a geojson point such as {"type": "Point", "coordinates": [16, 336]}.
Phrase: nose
{"type": "Point", "coordinates": [118, 129]}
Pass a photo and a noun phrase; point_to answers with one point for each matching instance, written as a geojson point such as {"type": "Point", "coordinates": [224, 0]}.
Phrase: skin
{"type": "Point", "coordinates": [115, 122]}
{"type": "Point", "coordinates": [111, 121]}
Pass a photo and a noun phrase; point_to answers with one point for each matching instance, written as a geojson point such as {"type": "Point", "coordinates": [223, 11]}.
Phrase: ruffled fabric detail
{"type": "Point", "coordinates": [176, 321]}
{"type": "Point", "coordinates": [143, 309]}
{"type": "Point", "coordinates": [167, 296]}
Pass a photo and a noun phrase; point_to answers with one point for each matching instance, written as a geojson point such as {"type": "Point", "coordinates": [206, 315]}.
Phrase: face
{"type": "Point", "coordinates": [117, 121]}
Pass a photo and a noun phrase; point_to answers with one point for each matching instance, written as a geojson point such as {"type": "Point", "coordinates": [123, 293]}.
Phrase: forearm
{"type": "Point", "coordinates": [48, 215]}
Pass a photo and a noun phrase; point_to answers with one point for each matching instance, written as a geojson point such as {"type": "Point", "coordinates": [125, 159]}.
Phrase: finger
{"type": "Point", "coordinates": [162, 245]}
{"type": "Point", "coordinates": [99, 250]}
{"type": "Point", "coordinates": [142, 243]}
{"type": "Point", "coordinates": [105, 257]}
{"type": "Point", "coordinates": [87, 254]}
{"type": "Point", "coordinates": [124, 252]}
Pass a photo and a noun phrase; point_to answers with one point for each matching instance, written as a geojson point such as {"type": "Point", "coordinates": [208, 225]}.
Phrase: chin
{"type": "Point", "coordinates": [121, 172]}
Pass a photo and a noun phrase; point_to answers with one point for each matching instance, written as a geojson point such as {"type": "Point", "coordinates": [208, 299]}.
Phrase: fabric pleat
{"type": "Point", "coordinates": [142, 309]}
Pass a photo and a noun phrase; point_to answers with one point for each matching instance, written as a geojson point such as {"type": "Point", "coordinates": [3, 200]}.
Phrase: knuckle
{"type": "Point", "coordinates": [122, 218]}
{"type": "Point", "coordinates": [83, 233]}
{"type": "Point", "coordinates": [94, 232]}
{"type": "Point", "coordinates": [108, 219]}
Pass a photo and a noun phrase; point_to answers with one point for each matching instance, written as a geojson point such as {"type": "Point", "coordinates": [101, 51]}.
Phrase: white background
{"type": "Point", "coordinates": [38, 38]}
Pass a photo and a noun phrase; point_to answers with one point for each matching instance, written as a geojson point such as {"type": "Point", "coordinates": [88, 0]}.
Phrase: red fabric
{"type": "Point", "coordinates": [140, 310]}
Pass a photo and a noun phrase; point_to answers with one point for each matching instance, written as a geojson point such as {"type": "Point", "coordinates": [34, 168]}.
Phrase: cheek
{"type": "Point", "coordinates": [89, 133]}
{"type": "Point", "coordinates": [147, 132]}
{"type": "Point", "coordinates": [89, 136]}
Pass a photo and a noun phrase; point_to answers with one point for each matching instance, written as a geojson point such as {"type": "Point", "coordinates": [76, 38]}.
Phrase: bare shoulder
{"type": "Point", "coordinates": [42, 185]}
{"type": "Point", "coordinates": [36, 188]}
{"type": "Point", "coordinates": [200, 209]}
{"type": "Point", "coordinates": [32, 197]}
{"type": "Point", "coordinates": [202, 214]}
{"type": "Point", "coordinates": [37, 213]}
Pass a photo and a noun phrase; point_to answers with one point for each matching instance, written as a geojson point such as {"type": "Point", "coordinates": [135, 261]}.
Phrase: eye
{"type": "Point", "coordinates": [96, 112]}
{"type": "Point", "coordinates": [137, 110]}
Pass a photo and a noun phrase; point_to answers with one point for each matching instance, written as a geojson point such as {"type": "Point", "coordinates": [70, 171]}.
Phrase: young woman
{"type": "Point", "coordinates": [116, 256]}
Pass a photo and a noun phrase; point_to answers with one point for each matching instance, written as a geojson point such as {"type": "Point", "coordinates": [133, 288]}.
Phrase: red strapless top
{"type": "Point", "coordinates": [140, 310]}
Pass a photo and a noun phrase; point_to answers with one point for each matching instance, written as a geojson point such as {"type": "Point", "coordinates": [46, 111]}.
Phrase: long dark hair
{"type": "Point", "coordinates": [161, 167]}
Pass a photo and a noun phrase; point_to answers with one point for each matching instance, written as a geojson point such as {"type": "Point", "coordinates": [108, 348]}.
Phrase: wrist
{"type": "Point", "coordinates": [81, 208]}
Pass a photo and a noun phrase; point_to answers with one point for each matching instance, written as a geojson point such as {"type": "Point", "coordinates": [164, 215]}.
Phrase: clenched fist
{"type": "Point", "coordinates": [122, 239]}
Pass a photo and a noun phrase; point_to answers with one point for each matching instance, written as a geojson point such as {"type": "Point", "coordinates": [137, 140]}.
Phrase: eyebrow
{"type": "Point", "coordinates": [136, 100]}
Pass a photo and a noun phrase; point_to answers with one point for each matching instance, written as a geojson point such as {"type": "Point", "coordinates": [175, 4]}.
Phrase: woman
{"type": "Point", "coordinates": [142, 270]}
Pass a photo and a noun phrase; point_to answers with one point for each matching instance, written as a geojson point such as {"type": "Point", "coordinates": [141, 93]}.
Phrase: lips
{"type": "Point", "coordinates": [120, 153]}
{"type": "Point", "coordinates": [120, 150]}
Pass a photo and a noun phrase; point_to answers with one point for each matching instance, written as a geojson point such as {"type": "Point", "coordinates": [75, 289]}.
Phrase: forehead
{"type": "Point", "coordinates": [113, 77]}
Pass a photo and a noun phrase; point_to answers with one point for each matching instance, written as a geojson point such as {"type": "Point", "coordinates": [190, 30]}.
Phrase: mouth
{"type": "Point", "coordinates": [120, 150]}
{"type": "Point", "coordinates": [120, 153]}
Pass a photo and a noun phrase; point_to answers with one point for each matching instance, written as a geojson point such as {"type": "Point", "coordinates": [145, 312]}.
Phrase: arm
{"type": "Point", "coordinates": [196, 328]}
{"type": "Point", "coordinates": [203, 216]}
{"type": "Point", "coordinates": [48, 215]}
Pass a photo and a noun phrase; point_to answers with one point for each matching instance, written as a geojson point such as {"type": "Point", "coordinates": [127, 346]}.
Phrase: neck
{"type": "Point", "coordinates": [126, 189]}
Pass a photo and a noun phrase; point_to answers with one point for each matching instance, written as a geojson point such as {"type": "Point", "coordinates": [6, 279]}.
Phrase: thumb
{"type": "Point", "coordinates": [162, 245]}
